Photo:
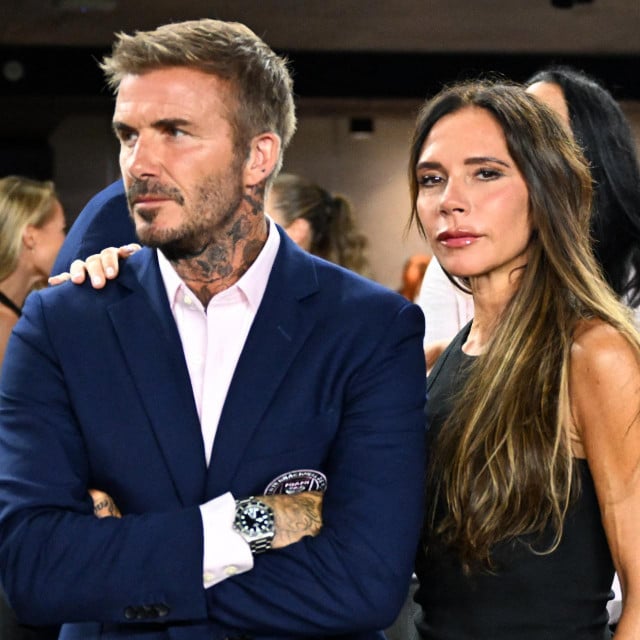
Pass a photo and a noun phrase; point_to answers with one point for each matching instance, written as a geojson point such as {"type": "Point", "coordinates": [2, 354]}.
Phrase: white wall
{"type": "Point", "coordinates": [372, 173]}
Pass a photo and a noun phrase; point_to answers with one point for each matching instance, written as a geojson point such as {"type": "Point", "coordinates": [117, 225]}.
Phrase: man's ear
{"type": "Point", "coordinates": [263, 158]}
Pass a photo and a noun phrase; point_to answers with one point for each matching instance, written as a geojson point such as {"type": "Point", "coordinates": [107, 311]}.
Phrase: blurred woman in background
{"type": "Point", "coordinates": [317, 221]}
{"type": "Point", "coordinates": [412, 274]}
{"type": "Point", "coordinates": [32, 229]}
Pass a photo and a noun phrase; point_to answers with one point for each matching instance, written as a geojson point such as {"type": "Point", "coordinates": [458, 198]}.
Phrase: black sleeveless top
{"type": "Point", "coordinates": [557, 596]}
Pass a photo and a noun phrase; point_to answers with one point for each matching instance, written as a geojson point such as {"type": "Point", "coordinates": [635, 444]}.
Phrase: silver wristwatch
{"type": "Point", "coordinates": [255, 523]}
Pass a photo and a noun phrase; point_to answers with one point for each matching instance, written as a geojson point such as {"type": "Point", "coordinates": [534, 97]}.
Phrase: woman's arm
{"type": "Point", "coordinates": [605, 403]}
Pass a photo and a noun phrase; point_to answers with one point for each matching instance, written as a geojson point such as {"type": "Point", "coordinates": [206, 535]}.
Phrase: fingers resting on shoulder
{"type": "Point", "coordinates": [100, 267]}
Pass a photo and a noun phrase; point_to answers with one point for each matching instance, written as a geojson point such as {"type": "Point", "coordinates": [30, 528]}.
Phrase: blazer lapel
{"type": "Point", "coordinates": [278, 332]}
{"type": "Point", "coordinates": [153, 352]}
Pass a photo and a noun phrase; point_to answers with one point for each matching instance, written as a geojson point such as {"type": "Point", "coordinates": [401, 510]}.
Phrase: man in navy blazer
{"type": "Point", "coordinates": [116, 390]}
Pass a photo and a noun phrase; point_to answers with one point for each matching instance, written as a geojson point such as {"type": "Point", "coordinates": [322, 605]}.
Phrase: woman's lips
{"type": "Point", "coordinates": [457, 238]}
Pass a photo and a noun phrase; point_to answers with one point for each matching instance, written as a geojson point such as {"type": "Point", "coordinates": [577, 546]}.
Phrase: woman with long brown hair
{"type": "Point", "coordinates": [534, 409]}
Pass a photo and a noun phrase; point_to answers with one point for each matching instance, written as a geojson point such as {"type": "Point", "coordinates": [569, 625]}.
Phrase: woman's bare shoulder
{"type": "Point", "coordinates": [597, 344]}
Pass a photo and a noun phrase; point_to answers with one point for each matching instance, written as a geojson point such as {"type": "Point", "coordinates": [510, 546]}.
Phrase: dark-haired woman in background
{"type": "Point", "coordinates": [534, 408]}
{"type": "Point", "coordinates": [605, 137]}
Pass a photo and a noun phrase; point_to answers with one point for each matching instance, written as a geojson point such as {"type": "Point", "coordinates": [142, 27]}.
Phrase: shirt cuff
{"type": "Point", "coordinates": [226, 553]}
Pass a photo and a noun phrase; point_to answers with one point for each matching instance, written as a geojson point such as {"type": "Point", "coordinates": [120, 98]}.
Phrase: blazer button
{"type": "Point", "coordinates": [148, 611]}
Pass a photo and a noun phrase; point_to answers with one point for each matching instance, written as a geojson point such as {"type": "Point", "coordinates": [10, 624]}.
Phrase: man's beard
{"type": "Point", "coordinates": [216, 202]}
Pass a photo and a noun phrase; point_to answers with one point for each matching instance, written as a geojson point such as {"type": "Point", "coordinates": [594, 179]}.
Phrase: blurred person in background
{"type": "Point", "coordinates": [412, 274]}
{"type": "Point", "coordinates": [318, 221]}
{"type": "Point", "coordinates": [32, 228]}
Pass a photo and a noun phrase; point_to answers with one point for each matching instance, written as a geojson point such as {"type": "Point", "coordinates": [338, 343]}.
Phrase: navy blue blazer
{"type": "Point", "coordinates": [95, 393]}
{"type": "Point", "coordinates": [104, 222]}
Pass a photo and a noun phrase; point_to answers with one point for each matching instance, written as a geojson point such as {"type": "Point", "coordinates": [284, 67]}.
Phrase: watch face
{"type": "Point", "coordinates": [255, 520]}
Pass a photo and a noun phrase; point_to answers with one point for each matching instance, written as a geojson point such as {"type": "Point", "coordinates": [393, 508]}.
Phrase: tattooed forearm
{"type": "Point", "coordinates": [296, 516]}
{"type": "Point", "coordinates": [103, 505]}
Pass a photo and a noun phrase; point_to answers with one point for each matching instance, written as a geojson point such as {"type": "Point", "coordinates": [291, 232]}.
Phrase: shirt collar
{"type": "Point", "coordinates": [251, 285]}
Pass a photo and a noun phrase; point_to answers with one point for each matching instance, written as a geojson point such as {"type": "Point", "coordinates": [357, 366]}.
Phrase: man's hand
{"type": "Point", "coordinates": [296, 516]}
{"type": "Point", "coordinates": [103, 505]}
{"type": "Point", "coordinates": [101, 267]}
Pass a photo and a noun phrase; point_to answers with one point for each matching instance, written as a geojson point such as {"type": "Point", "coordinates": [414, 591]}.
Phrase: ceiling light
{"type": "Point", "coordinates": [568, 4]}
{"type": "Point", "coordinates": [361, 128]}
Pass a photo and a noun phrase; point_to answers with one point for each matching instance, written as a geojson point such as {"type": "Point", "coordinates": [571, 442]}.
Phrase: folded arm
{"type": "Point", "coordinates": [355, 573]}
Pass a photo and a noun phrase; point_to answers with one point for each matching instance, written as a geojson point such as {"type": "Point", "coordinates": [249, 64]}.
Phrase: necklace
{"type": "Point", "coordinates": [7, 302]}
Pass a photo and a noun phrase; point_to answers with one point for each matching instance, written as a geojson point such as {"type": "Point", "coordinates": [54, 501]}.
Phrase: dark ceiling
{"type": "Point", "coordinates": [359, 50]}
{"type": "Point", "coordinates": [339, 48]}
{"type": "Point", "coordinates": [523, 26]}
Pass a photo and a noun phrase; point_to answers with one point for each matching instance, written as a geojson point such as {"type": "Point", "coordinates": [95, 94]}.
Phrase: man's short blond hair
{"type": "Point", "coordinates": [260, 82]}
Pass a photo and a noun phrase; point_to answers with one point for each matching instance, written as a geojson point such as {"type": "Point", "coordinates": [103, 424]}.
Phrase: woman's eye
{"type": "Point", "coordinates": [488, 174]}
{"type": "Point", "coordinates": [429, 180]}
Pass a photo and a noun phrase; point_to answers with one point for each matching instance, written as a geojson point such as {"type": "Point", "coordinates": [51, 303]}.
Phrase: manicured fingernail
{"type": "Point", "coordinates": [96, 280]}
{"type": "Point", "coordinates": [110, 272]}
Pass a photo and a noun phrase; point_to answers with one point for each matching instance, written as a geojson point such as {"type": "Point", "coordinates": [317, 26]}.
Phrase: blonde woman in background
{"type": "Point", "coordinates": [32, 229]}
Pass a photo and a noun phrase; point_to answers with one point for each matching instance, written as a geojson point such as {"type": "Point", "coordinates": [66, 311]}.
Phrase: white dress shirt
{"type": "Point", "coordinates": [446, 308]}
{"type": "Point", "coordinates": [212, 341]}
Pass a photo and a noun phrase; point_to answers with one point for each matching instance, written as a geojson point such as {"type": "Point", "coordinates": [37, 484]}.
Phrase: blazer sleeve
{"type": "Point", "coordinates": [58, 562]}
{"type": "Point", "coordinates": [104, 222]}
{"type": "Point", "coordinates": [355, 574]}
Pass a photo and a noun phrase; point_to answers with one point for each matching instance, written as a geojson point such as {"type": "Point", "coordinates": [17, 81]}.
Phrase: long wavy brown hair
{"type": "Point", "coordinates": [502, 465]}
